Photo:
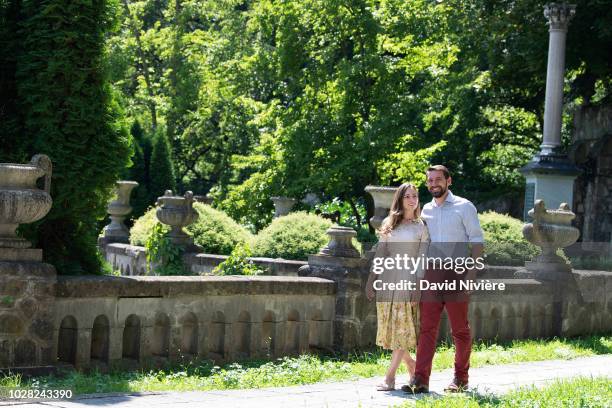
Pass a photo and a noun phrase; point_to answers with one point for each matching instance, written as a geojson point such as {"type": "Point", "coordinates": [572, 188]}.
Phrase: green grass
{"type": "Point", "coordinates": [576, 392]}
{"type": "Point", "coordinates": [306, 369]}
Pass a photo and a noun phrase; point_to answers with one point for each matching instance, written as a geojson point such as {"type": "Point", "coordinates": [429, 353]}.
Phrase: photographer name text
{"type": "Point", "coordinates": [447, 285]}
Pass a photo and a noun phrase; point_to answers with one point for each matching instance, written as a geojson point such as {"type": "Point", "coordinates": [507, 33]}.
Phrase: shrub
{"type": "Point", "coordinates": [214, 231]}
{"type": "Point", "coordinates": [143, 228]}
{"type": "Point", "coordinates": [237, 263]}
{"type": "Point", "coordinates": [293, 236]}
{"type": "Point", "coordinates": [504, 241]}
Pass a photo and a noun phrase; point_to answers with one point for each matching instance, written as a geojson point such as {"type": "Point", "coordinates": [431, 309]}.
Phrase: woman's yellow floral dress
{"type": "Point", "coordinates": [397, 318]}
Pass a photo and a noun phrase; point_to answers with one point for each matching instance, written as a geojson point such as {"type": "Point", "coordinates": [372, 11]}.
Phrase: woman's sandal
{"type": "Point", "coordinates": [385, 386]}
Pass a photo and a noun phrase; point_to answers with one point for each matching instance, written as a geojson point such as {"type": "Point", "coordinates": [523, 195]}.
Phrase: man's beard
{"type": "Point", "coordinates": [438, 193]}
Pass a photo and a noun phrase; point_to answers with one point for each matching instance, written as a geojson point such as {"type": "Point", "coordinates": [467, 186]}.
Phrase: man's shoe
{"type": "Point", "coordinates": [415, 387]}
{"type": "Point", "coordinates": [457, 386]}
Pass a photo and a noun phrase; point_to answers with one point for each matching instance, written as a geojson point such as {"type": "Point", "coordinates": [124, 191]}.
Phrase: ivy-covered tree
{"type": "Point", "coordinates": [67, 110]}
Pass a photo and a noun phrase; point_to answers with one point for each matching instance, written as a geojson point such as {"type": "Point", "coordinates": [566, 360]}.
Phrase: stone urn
{"type": "Point", "coordinates": [177, 212]}
{"type": "Point", "coordinates": [21, 201]}
{"type": "Point", "coordinates": [118, 209]}
{"type": "Point", "coordinates": [282, 205]}
{"type": "Point", "coordinates": [340, 243]}
{"type": "Point", "coordinates": [383, 198]}
{"type": "Point", "coordinates": [550, 230]}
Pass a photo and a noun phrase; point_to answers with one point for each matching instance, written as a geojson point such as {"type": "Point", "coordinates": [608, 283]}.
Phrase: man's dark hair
{"type": "Point", "coordinates": [439, 167]}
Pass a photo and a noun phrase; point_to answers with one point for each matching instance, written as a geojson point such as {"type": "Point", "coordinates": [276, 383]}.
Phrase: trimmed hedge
{"type": "Point", "coordinates": [214, 230]}
{"type": "Point", "coordinates": [294, 236]}
{"type": "Point", "coordinates": [504, 241]}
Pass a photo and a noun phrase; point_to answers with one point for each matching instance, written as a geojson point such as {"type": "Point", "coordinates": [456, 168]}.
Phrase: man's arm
{"type": "Point", "coordinates": [475, 236]}
{"type": "Point", "coordinates": [477, 252]}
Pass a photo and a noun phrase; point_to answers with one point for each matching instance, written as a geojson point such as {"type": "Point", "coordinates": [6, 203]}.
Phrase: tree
{"type": "Point", "coordinates": [266, 97]}
{"type": "Point", "coordinates": [66, 109]}
{"type": "Point", "coordinates": [139, 170]}
{"type": "Point", "coordinates": [161, 171]}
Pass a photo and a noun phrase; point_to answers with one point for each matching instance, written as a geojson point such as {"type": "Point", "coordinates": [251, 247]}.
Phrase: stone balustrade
{"type": "Point", "coordinates": [147, 320]}
{"type": "Point", "coordinates": [131, 260]}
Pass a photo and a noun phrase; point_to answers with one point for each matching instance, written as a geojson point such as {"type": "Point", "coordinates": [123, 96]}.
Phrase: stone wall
{"type": "Point", "coordinates": [27, 294]}
{"type": "Point", "coordinates": [147, 320]}
{"type": "Point", "coordinates": [97, 321]}
{"type": "Point", "coordinates": [527, 308]}
{"type": "Point", "coordinates": [131, 260]}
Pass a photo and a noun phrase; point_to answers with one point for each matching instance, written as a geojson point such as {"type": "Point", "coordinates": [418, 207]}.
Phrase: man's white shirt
{"type": "Point", "coordinates": [456, 220]}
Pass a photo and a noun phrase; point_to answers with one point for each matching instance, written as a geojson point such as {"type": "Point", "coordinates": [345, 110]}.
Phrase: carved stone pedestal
{"type": "Point", "coordinates": [27, 294]}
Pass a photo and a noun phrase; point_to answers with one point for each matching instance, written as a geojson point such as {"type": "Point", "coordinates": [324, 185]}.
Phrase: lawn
{"type": "Point", "coordinates": [305, 369]}
{"type": "Point", "coordinates": [575, 392]}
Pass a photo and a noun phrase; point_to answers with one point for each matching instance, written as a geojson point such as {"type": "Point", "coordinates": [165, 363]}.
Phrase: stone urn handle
{"type": "Point", "coordinates": [43, 162]}
{"type": "Point", "coordinates": [189, 201]}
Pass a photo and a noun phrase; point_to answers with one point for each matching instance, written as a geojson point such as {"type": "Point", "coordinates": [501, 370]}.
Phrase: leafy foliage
{"type": "Point", "coordinates": [162, 254]}
{"type": "Point", "coordinates": [293, 236]}
{"type": "Point", "coordinates": [265, 98]}
{"type": "Point", "coordinates": [237, 263]}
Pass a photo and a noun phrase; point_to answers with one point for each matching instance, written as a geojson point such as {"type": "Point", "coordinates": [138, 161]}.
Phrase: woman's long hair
{"type": "Point", "coordinates": [396, 212]}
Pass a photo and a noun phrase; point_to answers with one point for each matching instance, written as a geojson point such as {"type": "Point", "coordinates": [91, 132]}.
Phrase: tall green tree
{"type": "Point", "coordinates": [67, 110]}
{"type": "Point", "coordinates": [161, 170]}
{"type": "Point", "coordinates": [139, 170]}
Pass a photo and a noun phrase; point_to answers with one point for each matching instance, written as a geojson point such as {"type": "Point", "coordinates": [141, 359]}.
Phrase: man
{"type": "Point", "coordinates": [453, 225]}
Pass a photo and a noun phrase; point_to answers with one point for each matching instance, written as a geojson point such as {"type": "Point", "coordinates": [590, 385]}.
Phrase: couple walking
{"type": "Point", "coordinates": [409, 319]}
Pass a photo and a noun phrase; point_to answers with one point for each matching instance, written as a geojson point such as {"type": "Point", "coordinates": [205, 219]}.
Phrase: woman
{"type": "Point", "coordinates": [403, 232]}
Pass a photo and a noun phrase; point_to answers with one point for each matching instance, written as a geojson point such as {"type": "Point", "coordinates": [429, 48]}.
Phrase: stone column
{"type": "Point", "coordinates": [559, 16]}
{"type": "Point", "coordinates": [550, 175]}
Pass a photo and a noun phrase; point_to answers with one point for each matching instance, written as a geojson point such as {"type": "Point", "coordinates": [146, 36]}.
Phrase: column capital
{"type": "Point", "coordinates": [559, 15]}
